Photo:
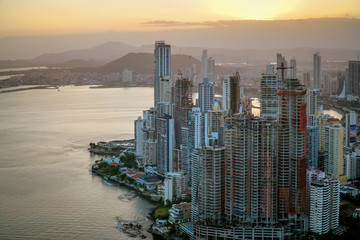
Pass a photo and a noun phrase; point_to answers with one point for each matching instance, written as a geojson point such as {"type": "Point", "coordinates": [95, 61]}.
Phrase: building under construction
{"type": "Point", "coordinates": [182, 98]}
{"type": "Point", "coordinates": [292, 156]}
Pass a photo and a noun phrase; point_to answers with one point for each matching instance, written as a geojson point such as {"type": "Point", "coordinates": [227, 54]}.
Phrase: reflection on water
{"type": "Point", "coordinates": [47, 191]}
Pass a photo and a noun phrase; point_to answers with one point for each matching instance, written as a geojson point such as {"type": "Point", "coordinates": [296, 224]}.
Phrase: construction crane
{"type": "Point", "coordinates": [283, 68]}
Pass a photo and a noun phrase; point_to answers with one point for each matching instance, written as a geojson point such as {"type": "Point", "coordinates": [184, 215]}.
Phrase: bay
{"type": "Point", "coordinates": [46, 189]}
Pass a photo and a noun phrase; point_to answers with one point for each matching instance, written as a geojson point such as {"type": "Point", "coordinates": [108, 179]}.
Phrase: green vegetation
{"type": "Point", "coordinates": [107, 169]}
{"type": "Point", "coordinates": [348, 197]}
{"type": "Point", "coordinates": [129, 161]}
{"type": "Point", "coordinates": [162, 213]}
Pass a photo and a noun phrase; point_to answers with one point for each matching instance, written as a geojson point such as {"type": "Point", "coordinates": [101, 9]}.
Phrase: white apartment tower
{"type": "Point", "coordinates": [324, 205]}
{"type": "Point", "coordinates": [162, 64]}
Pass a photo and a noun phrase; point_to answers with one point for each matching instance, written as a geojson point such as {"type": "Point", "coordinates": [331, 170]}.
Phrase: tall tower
{"type": "Point", "coordinates": [280, 59]}
{"type": "Point", "coordinates": [350, 128]}
{"type": "Point", "coordinates": [206, 95]}
{"type": "Point", "coordinates": [162, 63]}
{"type": "Point", "coordinates": [293, 68]}
{"type": "Point", "coordinates": [204, 64]}
{"type": "Point", "coordinates": [208, 189]}
{"type": "Point", "coordinates": [251, 170]}
{"type": "Point", "coordinates": [334, 148]}
{"type": "Point", "coordinates": [292, 151]}
{"type": "Point", "coordinates": [165, 142]}
{"type": "Point", "coordinates": [317, 71]}
{"type": "Point", "coordinates": [231, 93]}
{"type": "Point", "coordinates": [354, 78]}
{"type": "Point", "coordinates": [269, 84]}
{"type": "Point", "coordinates": [211, 69]}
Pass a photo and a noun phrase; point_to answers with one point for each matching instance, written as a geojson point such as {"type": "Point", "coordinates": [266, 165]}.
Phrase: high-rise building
{"type": "Point", "coordinates": [175, 184]}
{"type": "Point", "coordinates": [165, 143]}
{"type": "Point", "coordinates": [162, 68]}
{"type": "Point", "coordinates": [197, 127]}
{"type": "Point", "coordinates": [231, 93]}
{"type": "Point", "coordinates": [206, 95]}
{"type": "Point", "coordinates": [334, 145]}
{"type": "Point", "coordinates": [214, 126]}
{"type": "Point", "coordinates": [306, 79]}
{"type": "Point", "coordinates": [182, 98]}
{"type": "Point", "coordinates": [311, 99]}
{"type": "Point", "coordinates": [204, 64]}
{"type": "Point", "coordinates": [292, 153]}
{"type": "Point", "coordinates": [352, 161]}
{"type": "Point", "coordinates": [211, 69]}
{"type": "Point", "coordinates": [149, 152]}
{"type": "Point", "coordinates": [354, 78]}
{"type": "Point", "coordinates": [281, 62]}
{"type": "Point", "coordinates": [317, 71]}
{"type": "Point", "coordinates": [208, 189]}
{"type": "Point", "coordinates": [324, 205]}
{"type": "Point", "coordinates": [165, 89]}
{"type": "Point", "coordinates": [251, 170]}
{"type": "Point", "coordinates": [312, 147]}
{"type": "Point", "coordinates": [293, 68]}
{"type": "Point", "coordinates": [269, 84]}
{"type": "Point", "coordinates": [139, 136]}
{"type": "Point", "coordinates": [350, 128]}
{"type": "Point", "coordinates": [312, 175]}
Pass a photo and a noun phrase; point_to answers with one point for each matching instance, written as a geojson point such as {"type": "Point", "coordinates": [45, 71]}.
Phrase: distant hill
{"type": "Point", "coordinates": [94, 56]}
{"type": "Point", "coordinates": [144, 63]}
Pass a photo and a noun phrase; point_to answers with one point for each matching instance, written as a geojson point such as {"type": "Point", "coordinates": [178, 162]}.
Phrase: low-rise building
{"type": "Point", "coordinates": [180, 213]}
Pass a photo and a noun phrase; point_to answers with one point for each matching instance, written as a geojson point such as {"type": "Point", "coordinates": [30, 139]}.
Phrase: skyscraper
{"type": "Point", "coordinates": [324, 205]}
{"type": "Point", "coordinates": [231, 93]}
{"type": "Point", "coordinates": [350, 128]}
{"type": "Point", "coordinates": [204, 64]}
{"type": "Point", "coordinates": [211, 69]}
{"type": "Point", "coordinates": [354, 78]}
{"type": "Point", "coordinates": [292, 152]}
{"type": "Point", "coordinates": [165, 143]}
{"type": "Point", "coordinates": [162, 62]}
{"type": "Point", "coordinates": [312, 146]}
{"type": "Point", "coordinates": [269, 84]}
{"type": "Point", "coordinates": [280, 61]}
{"type": "Point", "coordinates": [334, 145]}
{"type": "Point", "coordinates": [206, 95]}
{"type": "Point", "coordinates": [311, 100]}
{"type": "Point", "coordinates": [317, 71]}
{"type": "Point", "coordinates": [293, 68]}
{"type": "Point", "coordinates": [208, 189]}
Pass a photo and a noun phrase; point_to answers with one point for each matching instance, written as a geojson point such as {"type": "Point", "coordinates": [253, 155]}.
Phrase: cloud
{"type": "Point", "coordinates": [163, 23]}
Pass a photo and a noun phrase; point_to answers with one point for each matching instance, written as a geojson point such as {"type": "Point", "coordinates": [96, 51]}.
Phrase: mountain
{"type": "Point", "coordinates": [235, 34]}
{"type": "Point", "coordinates": [144, 63]}
{"type": "Point", "coordinates": [104, 52]}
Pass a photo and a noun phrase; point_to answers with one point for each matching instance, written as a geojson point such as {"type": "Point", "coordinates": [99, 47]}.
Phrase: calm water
{"type": "Point", "coordinates": [46, 190]}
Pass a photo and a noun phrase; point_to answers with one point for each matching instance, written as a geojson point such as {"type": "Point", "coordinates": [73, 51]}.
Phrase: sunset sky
{"type": "Point", "coordinates": [50, 17]}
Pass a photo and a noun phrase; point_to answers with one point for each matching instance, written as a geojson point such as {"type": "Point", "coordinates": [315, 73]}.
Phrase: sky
{"type": "Point", "coordinates": [52, 17]}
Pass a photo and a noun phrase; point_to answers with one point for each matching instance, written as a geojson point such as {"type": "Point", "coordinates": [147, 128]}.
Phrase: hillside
{"type": "Point", "coordinates": [144, 63]}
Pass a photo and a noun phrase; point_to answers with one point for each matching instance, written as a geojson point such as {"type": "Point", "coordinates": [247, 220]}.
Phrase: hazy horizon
{"type": "Point", "coordinates": [239, 34]}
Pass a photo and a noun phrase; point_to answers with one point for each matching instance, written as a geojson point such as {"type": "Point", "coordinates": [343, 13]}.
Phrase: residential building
{"type": "Point", "coordinates": [317, 71]}
{"type": "Point", "coordinates": [231, 93]}
{"type": "Point", "coordinates": [206, 95]}
{"type": "Point", "coordinates": [312, 147]}
{"type": "Point", "coordinates": [162, 67]}
{"type": "Point", "coordinates": [324, 205]}
{"type": "Point", "coordinates": [180, 213]}
{"type": "Point", "coordinates": [165, 143]}
{"type": "Point", "coordinates": [350, 128]}
{"type": "Point", "coordinates": [334, 145]}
